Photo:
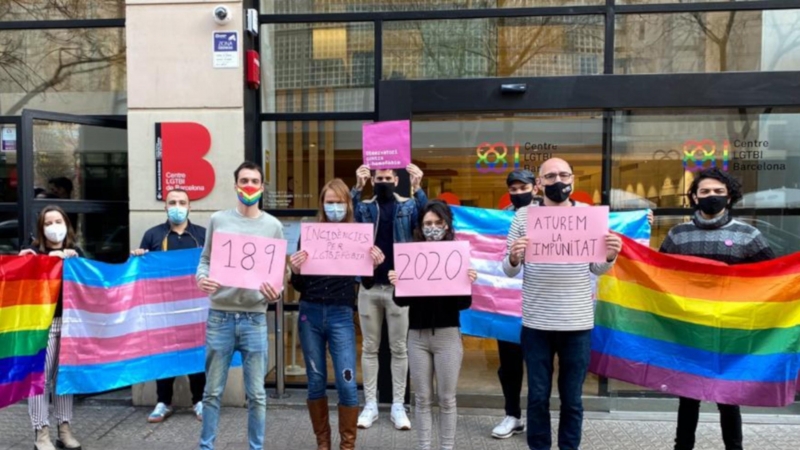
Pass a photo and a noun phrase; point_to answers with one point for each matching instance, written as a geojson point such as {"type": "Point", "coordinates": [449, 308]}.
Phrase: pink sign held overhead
{"type": "Point", "coordinates": [386, 145]}
{"type": "Point", "coordinates": [432, 268]}
{"type": "Point", "coordinates": [567, 235]}
{"type": "Point", "coordinates": [337, 248]}
{"type": "Point", "coordinates": [247, 261]}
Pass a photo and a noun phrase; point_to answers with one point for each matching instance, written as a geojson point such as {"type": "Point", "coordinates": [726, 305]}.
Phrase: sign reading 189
{"type": "Point", "coordinates": [246, 261]}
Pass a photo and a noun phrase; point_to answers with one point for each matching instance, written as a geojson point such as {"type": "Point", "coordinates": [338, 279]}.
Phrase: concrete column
{"type": "Point", "coordinates": [171, 78]}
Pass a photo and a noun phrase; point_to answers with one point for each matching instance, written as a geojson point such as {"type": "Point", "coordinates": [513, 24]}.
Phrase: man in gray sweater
{"type": "Point", "coordinates": [557, 317]}
{"type": "Point", "coordinates": [237, 319]}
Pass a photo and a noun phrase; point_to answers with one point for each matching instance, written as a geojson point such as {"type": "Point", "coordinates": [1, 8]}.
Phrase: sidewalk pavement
{"type": "Point", "coordinates": [116, 427]}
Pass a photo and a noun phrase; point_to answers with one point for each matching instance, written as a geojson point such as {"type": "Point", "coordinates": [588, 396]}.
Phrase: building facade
{"type": "Point", "coordinates": [637, 94]}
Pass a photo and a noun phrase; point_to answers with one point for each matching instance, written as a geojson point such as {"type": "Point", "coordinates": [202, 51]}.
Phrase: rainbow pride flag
{"type": "Point", "coordinates": [130, 323]}
{"type": "Point", "coordinates": [700, 329]}
{"type": "Point", "coordinates": [496, 310]}
{"type": "Point", "coordinates": [29, 288]}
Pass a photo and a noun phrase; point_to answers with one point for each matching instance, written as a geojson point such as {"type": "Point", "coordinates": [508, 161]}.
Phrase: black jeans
{"type": "Point", "coordinates": [197, 383]}
{"type": "Point", "coordinates": [572, 348]}
{"type": "Point", "coordinates": [730, 420]}
{"type": "Point", "coordinates": [511, 373]}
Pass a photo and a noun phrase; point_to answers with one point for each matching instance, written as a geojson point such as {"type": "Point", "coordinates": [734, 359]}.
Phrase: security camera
{"type": "Point", "coordinates": [222, 14]}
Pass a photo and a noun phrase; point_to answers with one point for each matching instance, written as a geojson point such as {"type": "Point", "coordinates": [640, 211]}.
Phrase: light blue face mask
{"type": "Point", "coordinates": [335, 212]}
{"type": "Point", "coordinates": [177, 214]}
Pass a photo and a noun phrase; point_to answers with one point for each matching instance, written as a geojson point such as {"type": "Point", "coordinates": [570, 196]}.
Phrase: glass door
{"type": "Point", "coordinates": [80, 164]}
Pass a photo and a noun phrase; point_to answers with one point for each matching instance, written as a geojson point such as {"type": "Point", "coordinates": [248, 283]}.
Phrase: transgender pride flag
{"type": "Point", "coordinates": [496, 310]}
{"type": "Point", "coordinates": [130, 323]}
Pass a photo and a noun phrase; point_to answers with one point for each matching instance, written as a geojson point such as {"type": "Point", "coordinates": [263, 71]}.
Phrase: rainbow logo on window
{"type": "Point", "coordinates": [701, 155]}
{"type": "Point", "coordinates": [493, 158]}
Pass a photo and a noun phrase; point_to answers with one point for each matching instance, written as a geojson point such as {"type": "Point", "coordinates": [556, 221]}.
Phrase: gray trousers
{"type": "Point", "coordinates": [435, 353]}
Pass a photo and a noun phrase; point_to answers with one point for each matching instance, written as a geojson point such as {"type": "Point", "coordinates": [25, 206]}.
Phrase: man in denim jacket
{"type": "Point", "coordinates": [394, 218]}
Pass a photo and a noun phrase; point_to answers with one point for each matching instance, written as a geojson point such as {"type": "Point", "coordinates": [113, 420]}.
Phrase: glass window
{"type": "Point", "coordinates": [300, 157]}
{"type": "Point", "coordinates": [728, 41]}
{"type": "Point", "coordinates": [80, 162]}
{"type": "Point", "coordinates": [80, 71]}
{"type": "Point", "coordinates": [9, 234]}
{"type": "Point", "coordinates": [339, 6]}
{"type": "Point", "coordinates": [104, 236]}
{"type": "Point", "coordinates": [496, 47]}
{"type": "Point", "coordinates": [61, 10]}
{"type": "Point", "coordinates": [657, 153]}
{"type": "Point", "coordinates": [318, 67]}
{"type": "Point", "coordinates": [8, 163]}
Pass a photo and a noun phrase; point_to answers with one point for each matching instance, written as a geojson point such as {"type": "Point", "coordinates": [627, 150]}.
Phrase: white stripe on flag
{"type": "Point", "coordinates": [82, 324]}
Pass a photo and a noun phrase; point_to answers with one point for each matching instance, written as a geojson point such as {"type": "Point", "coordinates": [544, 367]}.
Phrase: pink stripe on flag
{"type": "Point", "coordinates": [84, 351]}
{"type": "Point", "coordinates": [96, 299]}
{"type": "Point", "coordinates": [746, 393]}
{"type": "Point", "coordinates": [497, 300]}
{"type": "Point", "coordinates": [485, 246]}
{"type": "Point", "coordinates": [11, 393]}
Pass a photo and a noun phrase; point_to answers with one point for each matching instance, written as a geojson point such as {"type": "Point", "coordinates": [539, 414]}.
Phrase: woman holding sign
{"type": "Point", "coordinates": [54, 237]}
{"type": "Point", "coordinates": [326, 319]}
{"type": "Point", "coordinates": [434, 337]}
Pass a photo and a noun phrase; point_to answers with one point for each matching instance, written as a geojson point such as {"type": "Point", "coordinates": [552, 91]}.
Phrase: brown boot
{"type": "Point", "coordinates": [348, 421]}
{"type": "Point", "coordinates": [318, 410]}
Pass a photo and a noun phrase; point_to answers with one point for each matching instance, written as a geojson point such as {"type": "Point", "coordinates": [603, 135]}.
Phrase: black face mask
{"type": "Point", "coordinates": [521, 200]}
{"type": "Point", "coordinates": [558, 192]}
{"type": "Point", "coordinates": [384, 191]}
{"type": "Point", "coordinates": [713, 204]}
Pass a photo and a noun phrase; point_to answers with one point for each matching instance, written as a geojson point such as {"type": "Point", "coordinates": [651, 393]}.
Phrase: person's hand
{"type": "Point", "coordinates": [415, 173]}
{"type": "Point", "coordinates": [650, 217]}
{"type": "Point", "coordinates": [269, 293]}
{"type": "Point", "coordinates": [363, 176]}
{"type": "Point", "coordinates": [393, 277]}
{"type": "Point", "coordinates": [517, 252]}
{"type": "Point", "coordinates": [138, 252]}
{"type": "Point", "coordinates": [56, 254]}
{"type": "Point", "coordinates": [69, 253]}
{"type": "Point", "coordinates": [27, 251]}
{"type": "Point", "coordinates": [297, 260]}
{"type": "Point", "coordinates": [614, 246]}
{"type": "Point", "coordinates": [473, 275]}
{"type": "Point", "coordinates": [377, 256]}
{"type": "Point", "coordinates": [208, 286]}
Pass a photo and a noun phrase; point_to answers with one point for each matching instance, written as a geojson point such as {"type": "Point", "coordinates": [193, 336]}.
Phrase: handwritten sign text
{"type": "Point", "coordinates": [567, 235]}
{"type": "Point", "coordinates": [247, 261]}
{"type": "Point", "coordinates": [337, 248]}
{"type": "Point", "coordinates": [432, 268]}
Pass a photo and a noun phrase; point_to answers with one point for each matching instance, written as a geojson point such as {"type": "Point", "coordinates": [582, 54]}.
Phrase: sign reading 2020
{"type": "Point", "coordinates": [180, 164]}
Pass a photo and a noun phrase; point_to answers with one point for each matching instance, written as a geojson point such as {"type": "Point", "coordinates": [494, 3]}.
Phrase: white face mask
{"type": "Point", "coordinates": [55, 233]}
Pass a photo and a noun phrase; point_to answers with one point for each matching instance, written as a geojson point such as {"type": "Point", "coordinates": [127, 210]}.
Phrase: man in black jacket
{"type": "Point", "coordinates": [177, 233]}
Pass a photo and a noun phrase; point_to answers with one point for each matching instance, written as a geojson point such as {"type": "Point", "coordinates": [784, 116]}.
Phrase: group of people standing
{"type": "Point", "coordinates": [424, 332]}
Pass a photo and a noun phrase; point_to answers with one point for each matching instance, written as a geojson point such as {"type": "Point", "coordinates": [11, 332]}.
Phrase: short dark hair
{"type": "Point", "coordinates": [733, 185]}
{"type": "Point", "coordinates": [373, 172]}
{"type": "Point", "coordinates": [61, 182]}
{"type": "Point", "coordinates": [249, 166]}
{"type": "Point", "coordinates": [177, 190]}
{"type": "Point", "coordinates": [442, 210]}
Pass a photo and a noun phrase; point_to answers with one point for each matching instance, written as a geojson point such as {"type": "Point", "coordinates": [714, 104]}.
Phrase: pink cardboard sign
{"type": "Point", "coordinates": [337, 248]}
{"type": "Point", "coordinates": [247, 261]}
{"type": "Point", "coordinates": [567, 235]}
{"type": "Point", "coordinates": [432, 268]}
{"type": "Point", "coordinates": [386, 145]}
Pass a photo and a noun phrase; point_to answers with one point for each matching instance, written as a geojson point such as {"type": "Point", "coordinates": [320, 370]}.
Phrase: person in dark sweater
{"type": "Point", "coordinates": [434, 338]}
{"type": "Point", "coordinates": [326, 319]}
{"type": "Point", "coordinates": [54, 237]}
{"type": "Point", "coordinates": [714, 235]}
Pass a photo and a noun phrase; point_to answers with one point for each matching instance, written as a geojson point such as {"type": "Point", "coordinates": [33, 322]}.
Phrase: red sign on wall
{"type": "Point", "coordinates": [180, 148]}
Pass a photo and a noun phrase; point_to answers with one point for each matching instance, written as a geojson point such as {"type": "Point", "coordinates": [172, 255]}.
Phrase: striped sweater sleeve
{"type": "Point", "coordinates": [516, 231]}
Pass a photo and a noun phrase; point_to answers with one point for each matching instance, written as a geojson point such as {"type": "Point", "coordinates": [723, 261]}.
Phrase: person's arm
{"type": "Point", "coordinates": [355, 195]}
{"type": "Point", "coordinates": [516, 231]}
{"type": "Point", "coordinates": [668, 246]}
{"type": "Point", "coordinates": [758, 249]}
{"type": "Point", "coordinates": [205, 258]}
{"type": "Point", "coordinates": [421, 199]}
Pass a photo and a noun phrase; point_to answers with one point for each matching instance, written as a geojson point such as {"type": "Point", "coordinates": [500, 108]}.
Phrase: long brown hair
{"type": "Point", "coordinates": [444, 212]}
{"type": "Point", "coordinates": [340, 189]}
{"type": "Point", "coordinates": [41, 241]}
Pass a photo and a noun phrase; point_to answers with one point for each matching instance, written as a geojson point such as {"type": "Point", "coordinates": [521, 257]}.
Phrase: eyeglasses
{"type": "Point", "coordinates": [554, 175]}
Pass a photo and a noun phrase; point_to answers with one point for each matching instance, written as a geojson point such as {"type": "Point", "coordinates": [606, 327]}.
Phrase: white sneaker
{"type": "Point", "coordinates": [508, 427]}
{"type": "Point", "coordinates": [368, 416]}
{"type": "Point", "coordinates": [198, 411]}
{"type": "Point", "coordinates": [160, 413]}
{"type": "Point", "coordinates": [399, 417]}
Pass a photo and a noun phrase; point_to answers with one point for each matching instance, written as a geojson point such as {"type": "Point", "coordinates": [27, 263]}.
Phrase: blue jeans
{"type": "Point", "coordinates": [227, 332]}
{"type": "Point", "coordinates": [331, 325]}
{"type": "Point", "coordinates": [572, 348]}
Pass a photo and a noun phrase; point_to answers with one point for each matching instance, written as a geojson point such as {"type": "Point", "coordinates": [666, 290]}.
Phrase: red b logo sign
{"type": "Point", "coordinates": [180, 148]}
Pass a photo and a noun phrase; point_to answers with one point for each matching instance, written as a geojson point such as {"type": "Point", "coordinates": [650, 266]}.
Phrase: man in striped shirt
{"type": "Point", "coordinates": [557, 318]}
